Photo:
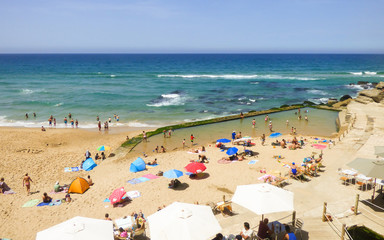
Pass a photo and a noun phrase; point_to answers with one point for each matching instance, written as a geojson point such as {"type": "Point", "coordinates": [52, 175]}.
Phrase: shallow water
{"type": "Point", "coordinates": [320, 123]}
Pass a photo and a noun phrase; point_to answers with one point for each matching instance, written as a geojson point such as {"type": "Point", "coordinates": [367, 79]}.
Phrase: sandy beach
{"type": "Point", "coordinates": [44, 155]}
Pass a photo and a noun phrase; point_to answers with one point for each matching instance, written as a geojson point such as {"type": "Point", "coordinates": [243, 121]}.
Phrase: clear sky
{"type": "Point", "coordinates": [192, 26]}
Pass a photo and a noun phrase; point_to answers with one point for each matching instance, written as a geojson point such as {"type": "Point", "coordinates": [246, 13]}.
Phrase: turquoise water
{"type": "Point", "coordinates": [154, 90]}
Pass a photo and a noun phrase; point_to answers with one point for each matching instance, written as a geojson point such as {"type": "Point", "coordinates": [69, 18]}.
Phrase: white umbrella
{"type": "Point", "coordinates": [79, 228]}
{"type": "Point", "coordinates": [263, 198]}
{"type": "Point", "coordinates": [183, 221]}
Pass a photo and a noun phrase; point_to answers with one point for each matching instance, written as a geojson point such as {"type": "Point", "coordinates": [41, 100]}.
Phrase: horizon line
{"type": "Point", "coordinates": [179, 53]}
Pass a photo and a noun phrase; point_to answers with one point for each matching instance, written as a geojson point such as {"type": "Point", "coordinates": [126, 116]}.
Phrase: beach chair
{"type": "Point", "coordinates": [299, 226]}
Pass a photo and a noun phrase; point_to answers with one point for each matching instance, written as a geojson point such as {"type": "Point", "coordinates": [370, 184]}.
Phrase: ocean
{"type": "Point", "coordinates": [151, 90]}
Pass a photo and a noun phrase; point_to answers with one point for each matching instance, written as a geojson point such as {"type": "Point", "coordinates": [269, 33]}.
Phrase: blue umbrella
{"type": "Point", "coordinates": [223, 140]}
{"type": "Point", "coordinates": [173, 173]}
{"type": "Point", "coordinates": [232, 151]}
{"type": "Point", "coordinates": [275, 135]}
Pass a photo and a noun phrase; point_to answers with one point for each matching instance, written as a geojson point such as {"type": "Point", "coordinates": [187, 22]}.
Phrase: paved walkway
{"type": "Point", "coordinates": [366, 124]}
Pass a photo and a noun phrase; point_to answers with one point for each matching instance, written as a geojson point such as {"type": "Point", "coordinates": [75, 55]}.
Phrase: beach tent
{"type": "Point", "coordinates": [79, 185]}
{"type": "Point", "coordinates": [137, 166]}
{"type": "Point", "coordinates": [183, 221]}
{"type": "Point", "coordinates": [79, 228]}
{"type": "Point", "coordinates": [89, 164]}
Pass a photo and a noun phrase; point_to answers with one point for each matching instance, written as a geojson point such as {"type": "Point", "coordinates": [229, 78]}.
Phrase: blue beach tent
{"type": "Point", "coordinates": [89, 164]}
{"type": "Point", "coordinates": [137, 166]}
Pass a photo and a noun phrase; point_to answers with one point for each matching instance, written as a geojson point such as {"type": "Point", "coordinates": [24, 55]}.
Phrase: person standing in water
{"type": "Point", "coordinates": [192, 138]}
{"type": "Point", "coordinates": [99, 125]}
{"type": "Point", "coordinates": [72, 123]}
{"type": "Point", "coordinates": [54, 122]}
{"type": "Point", "coordinates": [183, 143]}
{"type": "Point", "coordinates": [65, 121]}
{"type": "Point", "coordinates": [77, 123]}
{"type": "Point", "coordinates": [253, 123]}
{"type": "Point", "coordinates": [69, 115]}
{"type": "Point", "coordinates": [97, 118]}
{"type": "Point", "coordinates": [26, 116]}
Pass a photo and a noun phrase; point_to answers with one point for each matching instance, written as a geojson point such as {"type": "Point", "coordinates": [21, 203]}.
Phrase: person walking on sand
{"type": "Point", "coordinates": [233, 135]}
{"type": "Point", "coordinates": [266, 118]}
{"type": "Point", "coordinates": [183, 143]}
{"type": "Point", "coordinates": [262, 139]}
{"type": "Point", "coordinates": [192, 138]}
{"type": "Point", "coordinates": [27, 182]}
{"type": "Point", "coordinates": [253, 123]}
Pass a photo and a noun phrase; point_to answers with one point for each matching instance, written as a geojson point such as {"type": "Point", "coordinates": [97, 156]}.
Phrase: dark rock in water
{"type": "Point", "coordinates": [362, 82]}
{"type": "Point", "coordinates": [300, 89]}
{"type": "Point", "coordinates": [345, 97]}
{"type": "Point", "coordinates": [283, 106]}
{"type": "Point", "coordinates": [189, 110]}
{"type": "Point", "coordinates": [309, 103]}
{"type": "Point", "coordinates": [332, 101]}
{"type": "Point", "coordinates": [365, 84]}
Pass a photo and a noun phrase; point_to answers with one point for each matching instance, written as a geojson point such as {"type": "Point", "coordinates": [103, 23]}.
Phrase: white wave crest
{"type": "Point", "coordinates": [370, 73]}
{"type": "Point", "coordinates": [27, 91]}
{"type": "Point", "coordinates": [317, 92]}
{"type": "Point", "coordinates": [139, 124]}
{"type": "Point", "coordinates": [319, 100]}
{"type": "Point", "coordinates": [238, 76]}
{"type": "Point", "coordinates": [357, 87]}
{"type": "Point", "coordinates": [224, 76]}
{"type": "Point", "coordinates": [356, 73]}
{"type": "Point", "coordinates": [289, 77]}
{"type": "Point", "coordinates": [170, 99]}
{"type": "Point", "coordinates": [252, 100]}
{"type": "Point", "coordinates": [59, 104]}
{"type": "Point", "coordinates": [254, 82]}
{"type": "Point", "coordinates": [112, 76]}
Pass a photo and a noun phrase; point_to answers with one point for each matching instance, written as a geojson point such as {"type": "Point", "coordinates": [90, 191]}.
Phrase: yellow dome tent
{"type": "Point", "coordinates": [79, 185]}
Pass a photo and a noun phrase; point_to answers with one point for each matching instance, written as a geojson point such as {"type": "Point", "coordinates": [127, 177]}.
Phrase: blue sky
{"type": "Point", "coordinates": [182, 26]}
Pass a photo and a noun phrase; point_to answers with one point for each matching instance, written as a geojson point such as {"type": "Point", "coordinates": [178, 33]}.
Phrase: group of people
{"type": "Point", "coordinates": [137, 229]}
{"type": "Point", "coordinates": [264, 232]}
{"type": "Point", "coordinates": [106, 123]}
{"type": "Point", "coordinates": [161, 150]}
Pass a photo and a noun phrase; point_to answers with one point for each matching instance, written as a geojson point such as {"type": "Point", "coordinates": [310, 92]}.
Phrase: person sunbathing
{"type": "Point", "coordinates": [68, 198]}
{"type": "Point", "coordinates": [277, 143]}
{"type": "Point", "coordinates": [283, 143]}
{"type": "Point", "coordinates": [203, 159]}
{"type": "Point", "coordinates": [174, 183]}
{"type": "Point", "coordinates": [3, 186]}
{"type": "Point", "coordinates": [46, 198]}
{"type": "Point", "coordinates": [154, 162]}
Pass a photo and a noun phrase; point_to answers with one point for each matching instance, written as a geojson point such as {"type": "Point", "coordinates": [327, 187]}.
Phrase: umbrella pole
{"type": "Point", "coordinates": [262, 217]}
{"type": "Point", "coordinates": [374, 187]}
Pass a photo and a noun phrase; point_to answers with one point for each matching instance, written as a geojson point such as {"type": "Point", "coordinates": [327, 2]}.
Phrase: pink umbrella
{"type": "Point", "coordinates": [319, 146]}
{"type": "Point", "coordinates": [117, 195]}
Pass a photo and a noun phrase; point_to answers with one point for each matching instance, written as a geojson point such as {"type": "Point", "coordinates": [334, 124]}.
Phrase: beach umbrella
{"type": "Point", "coordinates": [369, 167]}
{"type": "Point", "coordinates": [183, 221]}
{"type": "Point", "coordinates": [173, 173]}
{"type": "Point", "coordinates": [103, 148]}
{"type": "Point", "coordinates": [79, 228]}
{"type": "Point", "coordinates": [263, 198]}
{"type": "Point", "coordinates": [117, 195]}
{"type": "Point", "coordinates": [223, 140]}
{"type": "Point", "coordinates": [275, 135]}
{"type": "Point", "coordinates": [379, 151]}
{"type": "Point", "coordinates": [232, 151]}
{"type": "Point", "coordinates": [319, 146]}
{"type": "Point", "coordinates": [195, 167]}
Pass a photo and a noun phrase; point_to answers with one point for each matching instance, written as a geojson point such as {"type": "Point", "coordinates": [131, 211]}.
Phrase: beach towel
{"type": "Point", "coordinates": [152, 166]}
{"type": "Point", "coordinates": [134, 181]}
{"type": "Point", "coordinates": [223, 161]}
{"type": "Point", "coordinates": [143, 179]}
{"type": "Point", "coordinates": [42, 204]}
{"type": "Point", "coordinates": [55, 202]}
{"type": "Point", "coordinates": [71, 169]}
{"type": "Point", "coordinates": [9, 192]}
{"type": "Point", "coordinates": [150, 176]}
{"type": "Point", "coordinates": [253, 161]}
{"type": "Point", "coordinates": [31, 203]}
{"type": "Point", "coordinates": [133, 194]}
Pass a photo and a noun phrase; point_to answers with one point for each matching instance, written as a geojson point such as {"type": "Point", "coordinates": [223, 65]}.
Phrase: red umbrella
{"type": "Point", "coordinates": [117, 195]}
{"type": "Point", "coordinates": [195, 167]}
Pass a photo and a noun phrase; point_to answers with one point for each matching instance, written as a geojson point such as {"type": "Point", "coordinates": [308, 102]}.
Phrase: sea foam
{"type": "Point", "coordinates": [169, 99]}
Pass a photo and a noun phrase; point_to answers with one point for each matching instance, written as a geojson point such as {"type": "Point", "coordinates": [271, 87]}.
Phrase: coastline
{"type": "Point", "coordinates": [45, 164]}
